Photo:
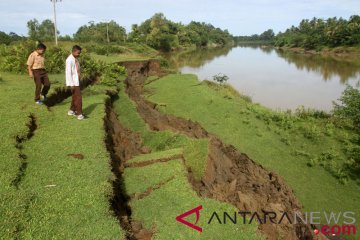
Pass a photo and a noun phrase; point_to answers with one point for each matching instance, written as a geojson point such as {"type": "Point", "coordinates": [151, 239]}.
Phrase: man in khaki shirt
{"type": "Point", "coordinates": [36, 69]}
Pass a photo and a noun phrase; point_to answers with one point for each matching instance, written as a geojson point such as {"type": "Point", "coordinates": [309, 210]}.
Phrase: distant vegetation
{"type": "Point", "coordinates": [163, 34]}
{"type": "Point", "coordinates": [157, 32]}
{"type": "Point", "coordinates": [9, 38]}
{"type": "Point", "coordinates": [316, 34]}
{"type": "Point", "coordinates": [266, 36]}
{"type": "Point", "coordinates": [98, 33]}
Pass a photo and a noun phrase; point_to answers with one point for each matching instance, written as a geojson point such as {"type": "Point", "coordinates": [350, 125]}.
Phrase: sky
{"type": "Point", "coordinates": [240, 17]}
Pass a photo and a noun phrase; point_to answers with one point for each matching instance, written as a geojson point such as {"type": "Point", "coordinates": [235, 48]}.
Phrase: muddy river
{"type": "Point", "coordinates": [274, 78]}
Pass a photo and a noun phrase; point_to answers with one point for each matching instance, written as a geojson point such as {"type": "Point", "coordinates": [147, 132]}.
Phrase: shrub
{"type": "Point", "coordinates": [14, 57]}
{"type": "Point", "coordinates": [305, 113]}
{"type": "Point", "coordinates": [55, 59]}
{"type": "Point", "coordinates": [350, 105]}
{"type": "Point", "coordinates": [111, 74]}
{"type": "Point", "coordinates": [220, 78]}
{"type": "Point", "coordinates": [311, 132]}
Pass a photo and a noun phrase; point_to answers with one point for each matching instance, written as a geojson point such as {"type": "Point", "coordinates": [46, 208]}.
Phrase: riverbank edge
{"type": "Point", "coordinates": [338, 51]}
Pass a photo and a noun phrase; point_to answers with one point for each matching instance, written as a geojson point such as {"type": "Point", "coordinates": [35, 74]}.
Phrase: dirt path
{"type": "Point", "coordinates": [231, 176]}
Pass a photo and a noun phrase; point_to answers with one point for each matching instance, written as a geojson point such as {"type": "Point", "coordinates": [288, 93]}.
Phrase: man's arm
{"type": "Point", "coordinates": [30, 71]}
{"type": "Point", "coordinates": [30, 63]}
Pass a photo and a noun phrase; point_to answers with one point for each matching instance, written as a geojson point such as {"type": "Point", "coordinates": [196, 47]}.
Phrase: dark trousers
{"type": "Point", "coordinates": [76, 102]}
{"type": "Point", "coordinates": [41, 78]}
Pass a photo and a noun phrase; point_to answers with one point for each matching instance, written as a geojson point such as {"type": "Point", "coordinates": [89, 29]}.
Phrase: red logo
{"type": "Point", "coordinates": [181, 219]}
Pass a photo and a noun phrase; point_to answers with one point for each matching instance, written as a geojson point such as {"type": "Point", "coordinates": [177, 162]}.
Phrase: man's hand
{"type": "Point", "coordinates": [31, 75]}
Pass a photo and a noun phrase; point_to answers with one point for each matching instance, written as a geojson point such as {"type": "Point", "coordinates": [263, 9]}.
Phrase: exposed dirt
{"type": "Point", "coordinates": [148, 191]}
{"type": "Point", "coordinates": [61, 93]}
{"type": "Point", "coordinates": [149, 162]}
{"type": "Point", "coordinates": [122, 144]}
{"type": "Point", "coordinates": [32, 126]}
{"type": "Point", "coordinates": [76, 155]}
{"type": "Point", "coordinates": [231, 176]}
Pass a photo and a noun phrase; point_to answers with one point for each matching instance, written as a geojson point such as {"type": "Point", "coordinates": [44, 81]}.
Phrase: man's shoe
{"type": "Point", "coordinates": [38, 102]}
{"type": "Point", "coordinates": [80, 117]}
{"type": "Point", "coordinates": [71, 113]}
{"type": "Point", "coordinates": [44, 97]}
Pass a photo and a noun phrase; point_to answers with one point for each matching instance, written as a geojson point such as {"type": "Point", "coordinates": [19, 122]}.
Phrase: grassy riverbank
{"type": "Point", "coordinates": [57, 179]}
{"type": "Point", "coordinates": [306, 149]}
{"type": "Point", "coordinates": [353, 52]}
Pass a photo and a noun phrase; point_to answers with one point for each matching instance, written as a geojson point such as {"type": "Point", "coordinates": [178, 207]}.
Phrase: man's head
{"type": "Point", "coordinates": [76, 50]}
{"type": "Point", "coordinates": [41, 48]}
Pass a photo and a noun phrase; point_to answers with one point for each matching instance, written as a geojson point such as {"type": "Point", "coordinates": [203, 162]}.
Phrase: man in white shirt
{"type": "Point", "coordinates": [72, 73]}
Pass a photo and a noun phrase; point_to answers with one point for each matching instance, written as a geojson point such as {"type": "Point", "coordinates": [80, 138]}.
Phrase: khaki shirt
{"type": "Point", "coordinates": [36, 61]}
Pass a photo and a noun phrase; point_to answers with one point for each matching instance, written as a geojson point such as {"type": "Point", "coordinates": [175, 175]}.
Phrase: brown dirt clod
{"type": "Point", "coordinates": [76, 155]}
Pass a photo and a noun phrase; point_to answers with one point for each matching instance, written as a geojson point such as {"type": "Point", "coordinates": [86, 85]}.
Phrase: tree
{"type": "Point", "coordinates": [317, 33]}
{"type": "Point", "coordinates": [267, 35]}
{"type": "Point", "coordinates": [350, 105]}
{"type": "Point", "coordinates": [163, 34]}
{"type": "Point", "coordinates": [9, 38]}
{"type": "Point", "coordinates": [98, 32]}
{"type": "Point", "coordinates": [43, 31]}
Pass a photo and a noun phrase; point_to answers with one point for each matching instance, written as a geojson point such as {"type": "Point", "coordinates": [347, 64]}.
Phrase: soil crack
{"type": "Point", "coordinates": [148, 191]}
{"type": "Point", "coordinates": [150, 162]}
{"type": "Point", "coordinates": [62, 93]}
{"type": "Point", "coordinates": [122, 144]}
{"type": "Point", "coordinates": [230, 176]}
{"type": "Point", "coordinates": [32, 126]}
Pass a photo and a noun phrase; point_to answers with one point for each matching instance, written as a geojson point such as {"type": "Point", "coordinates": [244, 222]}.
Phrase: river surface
{"type": "Point", "coordinates": [274, 78]}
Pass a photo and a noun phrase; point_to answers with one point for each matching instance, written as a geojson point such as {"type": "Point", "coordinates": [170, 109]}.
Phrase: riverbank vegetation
{"type": "Point", "coordinates": [318, 33]}
{"type": "Point", "coordinates": [313, 34]}
{"type": "Point", "coordinates": [317, 153]}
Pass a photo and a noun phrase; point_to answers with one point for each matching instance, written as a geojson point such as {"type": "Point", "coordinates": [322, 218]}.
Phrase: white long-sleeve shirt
{"type": "Point", "coordinates": [71, 71]}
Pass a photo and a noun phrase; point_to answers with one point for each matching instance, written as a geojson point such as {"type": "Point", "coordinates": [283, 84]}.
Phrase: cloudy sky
{"type": "Point", "coordinates": [240, 17]}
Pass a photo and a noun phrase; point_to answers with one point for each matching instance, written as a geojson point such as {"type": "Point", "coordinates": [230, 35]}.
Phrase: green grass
{"type": "Point", "coordinates": [58, 197]}
{"type": "Point", "coordinates": [272, 139]}
{"type": "Point", "coordinates": [112, 58]}
{"type": "Point", "coordinates": [173, 197]}
{"type": "Point", "coordinates": [169, 192]}
{"type": "Point", "coordinates": [195, 150]}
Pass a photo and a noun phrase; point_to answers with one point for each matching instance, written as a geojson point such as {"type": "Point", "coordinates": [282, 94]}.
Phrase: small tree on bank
{"type": "Point", "coordinates": [220, 78]}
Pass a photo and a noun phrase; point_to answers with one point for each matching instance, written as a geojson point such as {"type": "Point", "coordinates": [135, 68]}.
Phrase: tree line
{"type": "Point", "coordinates": [313, 34]}
{"type": "Point", "coordinates": [157, 32]}
{"type": "Point", "coordinates": [318, 33]}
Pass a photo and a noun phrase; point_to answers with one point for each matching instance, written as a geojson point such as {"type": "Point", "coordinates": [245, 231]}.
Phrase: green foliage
{"type": "Point", "coordinates": [111, 74]}
{"type": "Point", "coordinates": [163, 34]}
{"type": "Point", "coordinates": [9, 38]}
{"type": "Point", "coordinates": [98, 32]}
{"type": "Point", "coordinates": [350, 105]}
{"type": "Point", "coordinates": [317, 33]}
{"type": "Point", "coordinates": [266, 36]}
{"type": "Point", "coordinates": [306, 113]}
{"type": "Point", "coordinates": [14, 57]}
{"type": "Point", "coordinates": [43, 31]}
{"type": "Point", "coordinates": [311, 131]}
{"type": "Point", "coordinates": [55, 59]}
